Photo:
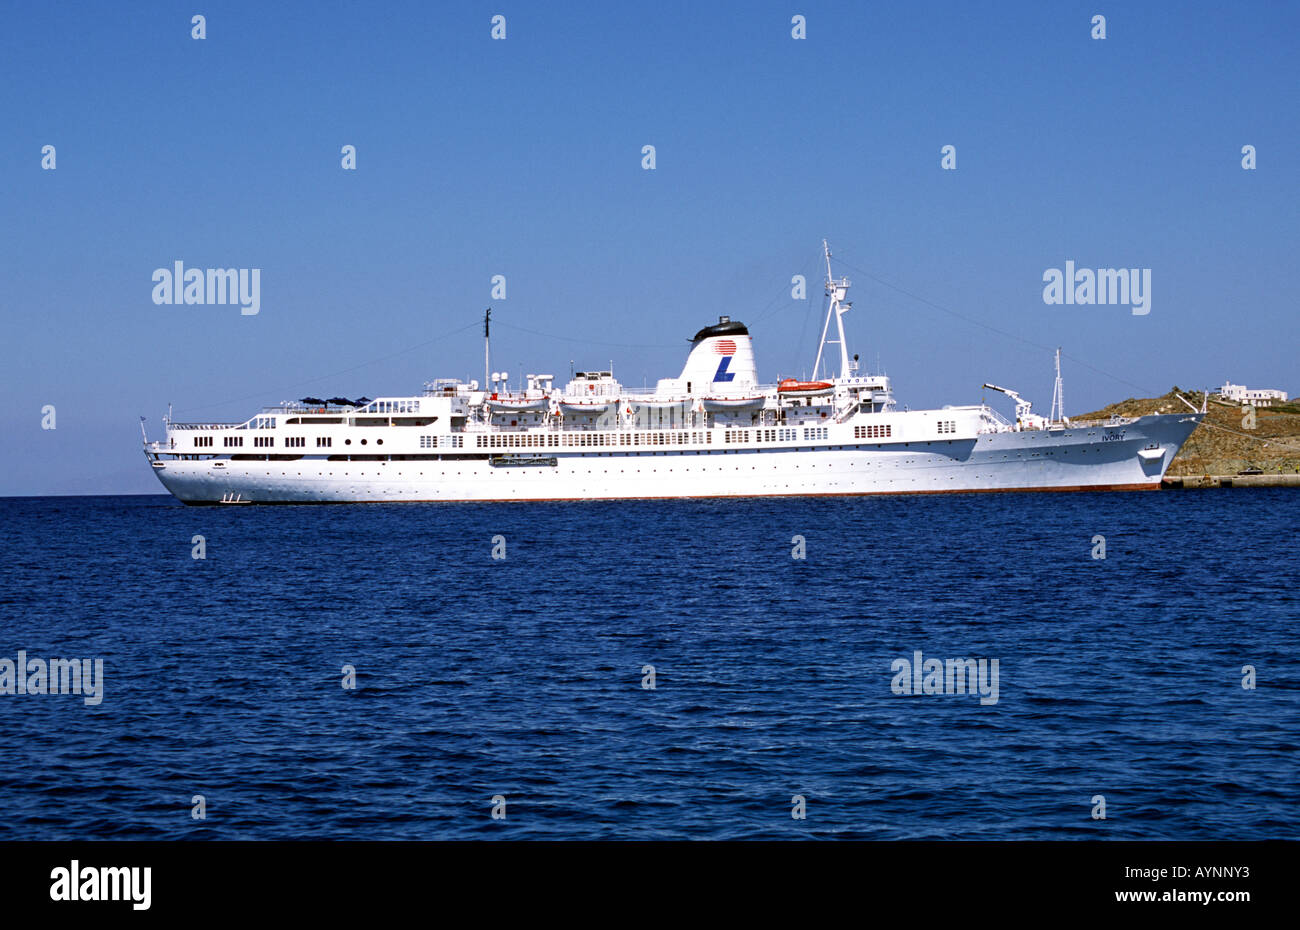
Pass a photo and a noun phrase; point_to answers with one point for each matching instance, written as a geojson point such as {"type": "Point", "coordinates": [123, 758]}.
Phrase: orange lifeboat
{"type": "Point", "coordinates": [794, 386]}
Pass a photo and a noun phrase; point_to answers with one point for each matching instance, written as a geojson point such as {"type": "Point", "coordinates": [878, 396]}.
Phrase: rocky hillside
{"type": "Point", "coordinates": [1222, 444]}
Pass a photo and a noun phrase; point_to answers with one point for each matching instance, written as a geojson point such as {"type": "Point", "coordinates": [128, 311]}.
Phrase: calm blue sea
{"type": "Point", "coordinates": [523, 677]}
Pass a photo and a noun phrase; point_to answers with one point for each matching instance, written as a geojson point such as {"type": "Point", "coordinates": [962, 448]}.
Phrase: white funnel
{"type": "Point", "coordinates": [721, 360]}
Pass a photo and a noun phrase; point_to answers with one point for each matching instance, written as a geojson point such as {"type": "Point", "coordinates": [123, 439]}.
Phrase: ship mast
{"type": "Point", "coordinates": [1058, 393]}
{"type": "Point", "coordinates": [837, 291]}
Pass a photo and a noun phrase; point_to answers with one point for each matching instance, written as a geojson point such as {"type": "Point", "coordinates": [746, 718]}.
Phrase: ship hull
{"type": "Point", "coordinates": [1073, 459]}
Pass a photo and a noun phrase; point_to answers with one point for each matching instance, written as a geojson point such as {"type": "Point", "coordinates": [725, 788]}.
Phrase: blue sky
{"type": "Point", "coordinates": [522, 157]}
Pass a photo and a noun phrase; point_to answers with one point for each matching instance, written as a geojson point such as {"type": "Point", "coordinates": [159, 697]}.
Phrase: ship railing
{"type": "Point", "coordinates": [993, 422]}
{"type": "Point", "coordinates": [634, 393]}
{"type": "Point", "coordinates": [172, 425]}
{"type": "Point", "coordinates": [1105, 421]}
{"type": "Point", "coordinates": [849, 409]}
{"type": "Point", "coordinates": [312, 408]}
{"type": "Point", "coordinates": [625, 393]}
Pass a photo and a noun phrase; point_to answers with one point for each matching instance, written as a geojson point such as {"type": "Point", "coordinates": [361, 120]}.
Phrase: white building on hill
{"type": "Point", "coordinates": [1259, 398]}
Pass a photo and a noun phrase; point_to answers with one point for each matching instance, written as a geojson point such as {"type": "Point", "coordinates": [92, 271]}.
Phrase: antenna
{"type": "Point", "coordinates": [487, 324]}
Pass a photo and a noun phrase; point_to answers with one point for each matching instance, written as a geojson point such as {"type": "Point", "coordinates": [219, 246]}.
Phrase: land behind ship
{"type": "Point", "coordinates": [1223, 444]}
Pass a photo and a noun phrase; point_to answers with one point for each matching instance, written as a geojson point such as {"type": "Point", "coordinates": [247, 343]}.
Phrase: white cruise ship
{"type": "Point", "coordinates": [713, 431]}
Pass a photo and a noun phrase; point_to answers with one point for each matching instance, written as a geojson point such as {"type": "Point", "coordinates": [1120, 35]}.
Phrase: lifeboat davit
{"type": "Point", "coordinates": [803, 388]}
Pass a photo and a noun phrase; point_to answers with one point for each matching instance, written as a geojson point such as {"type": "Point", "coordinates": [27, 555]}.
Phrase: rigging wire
{"type": "Point", "coordinates": [524, 329]}
{"type": "Point", "coordinates": [335, 374]}
{"type": "Point", "coordinates": [993, 329]}
{"type": "Point", "coordinates": [929, 303]}
{"type": "Point", "coordinates": [771, 307]}
{"type": "Point", "coordinates": [594, 342]}
{"type": "Point", "coordinates": [808, 313]}
{"type": "Point", "coordinates": [1207, 423]}
{"type": "Point", "coordinates": [768, 309]}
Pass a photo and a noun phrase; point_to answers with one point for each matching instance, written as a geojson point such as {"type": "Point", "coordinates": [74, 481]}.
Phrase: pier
{"type": "Point", "coordinates": [1192, 482]}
